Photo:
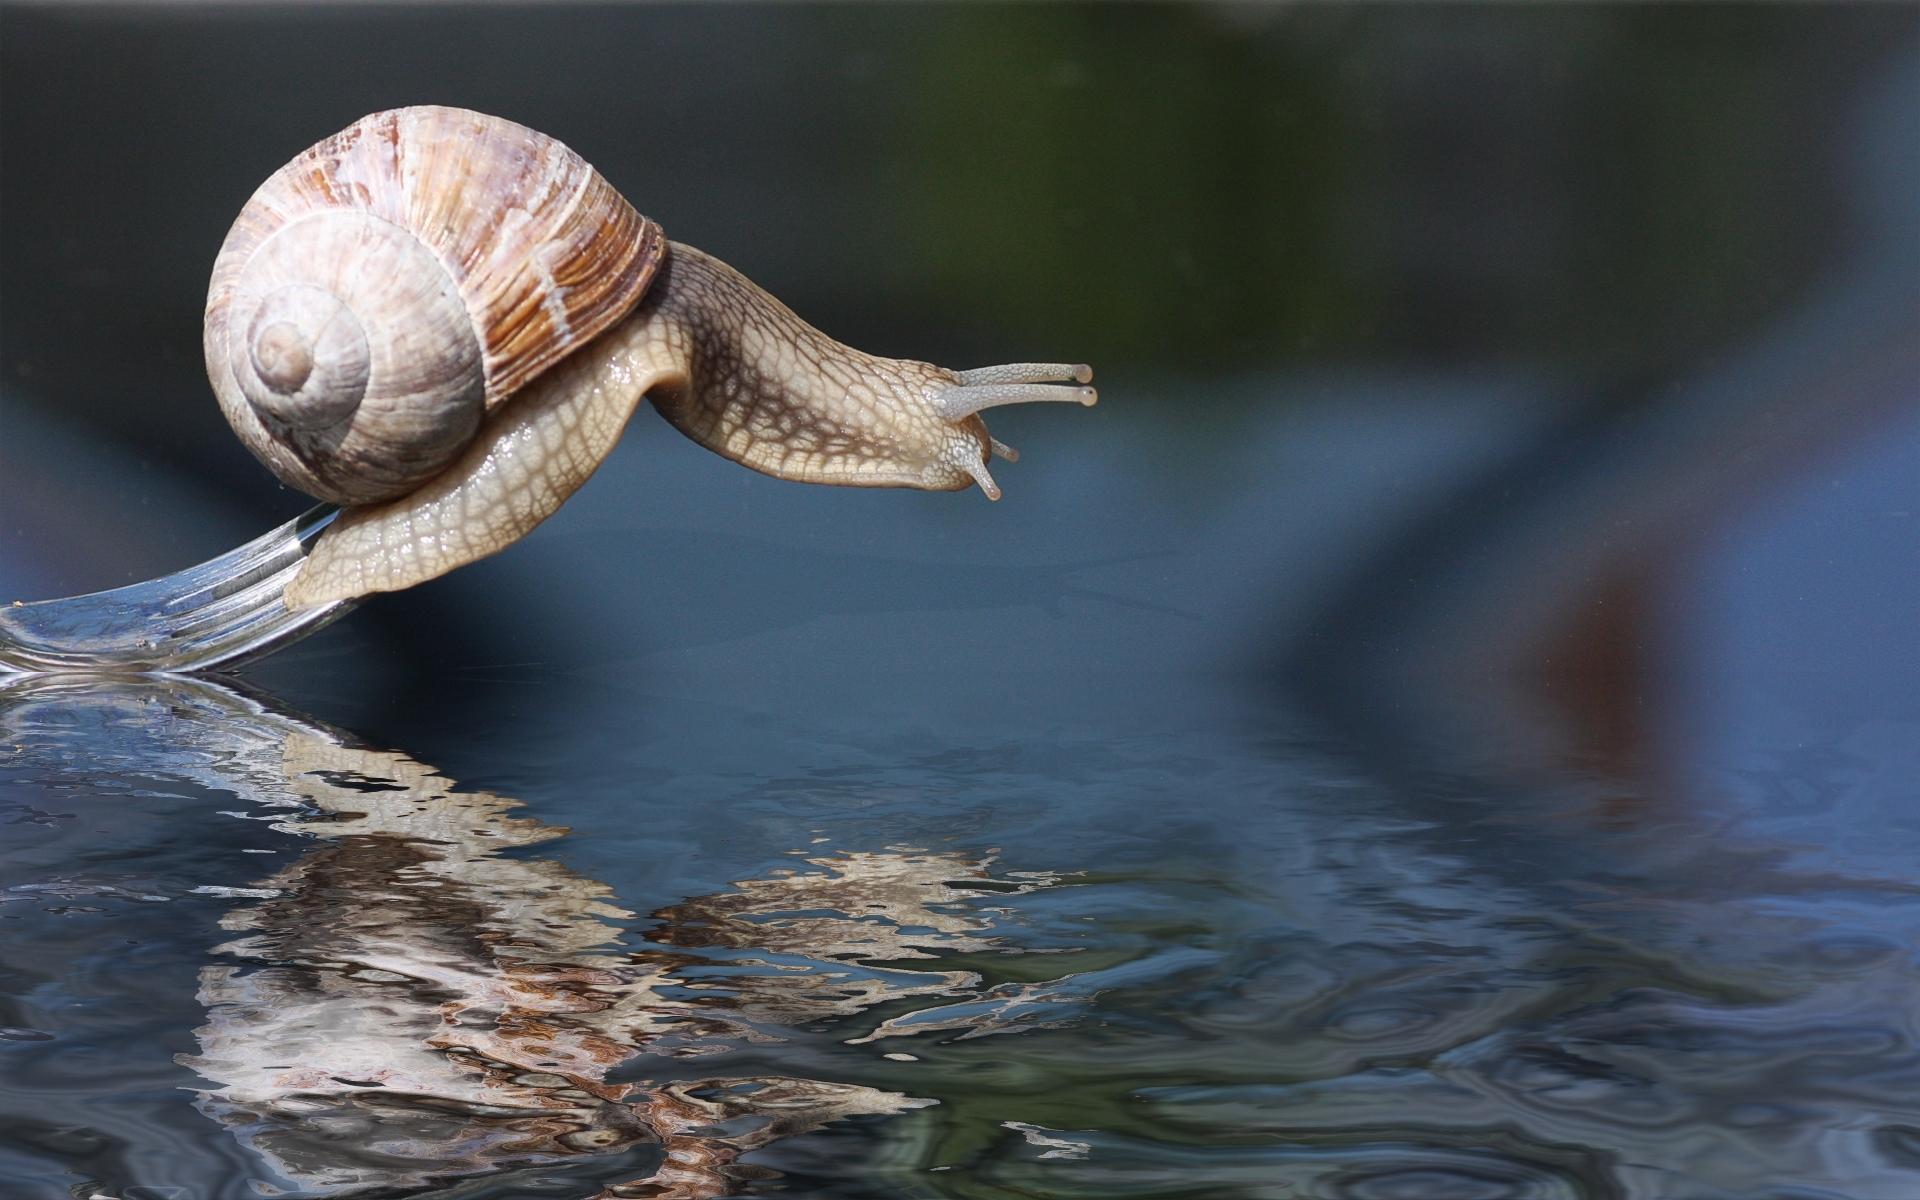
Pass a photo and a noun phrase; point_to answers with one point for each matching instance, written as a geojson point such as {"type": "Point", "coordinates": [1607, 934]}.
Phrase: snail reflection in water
{"type": "Point", "coordinates": [442, 321]}
{"type": "Point", "coordinates": [418, 996]}
{"type": "Point", "coordinates": [453, 1011]}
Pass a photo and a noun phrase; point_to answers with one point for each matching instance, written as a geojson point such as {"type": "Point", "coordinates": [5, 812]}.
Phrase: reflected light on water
{"type": "Point", "coordinates": [1312, 991]}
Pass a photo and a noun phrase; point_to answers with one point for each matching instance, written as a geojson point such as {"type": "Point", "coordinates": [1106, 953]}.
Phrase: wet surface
{"type": "Point", "coordinates": [1444, 728]}
{"type": "Point", "coordinates": [1183, 947]}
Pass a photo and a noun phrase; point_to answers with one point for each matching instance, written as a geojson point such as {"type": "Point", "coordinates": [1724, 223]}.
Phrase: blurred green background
{"type": "Point", "coordinates": [1602, 192]}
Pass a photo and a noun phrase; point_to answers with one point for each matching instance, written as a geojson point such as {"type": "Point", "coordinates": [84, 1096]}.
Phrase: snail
{"type": "Point", "coordinates": [441, 321]}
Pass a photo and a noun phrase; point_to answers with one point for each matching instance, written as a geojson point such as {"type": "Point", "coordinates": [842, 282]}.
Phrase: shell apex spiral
{"type": "Point", "coordinates": [397, 281]}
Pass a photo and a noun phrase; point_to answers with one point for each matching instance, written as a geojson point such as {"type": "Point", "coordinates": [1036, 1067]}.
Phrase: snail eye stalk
{"type": "Point", "coordinates": [1015, 383]}
{"type": "Point", "coordinates": [980, 476]}
{"type": "Point", "coordinates": [1028, 373]}
{"type": "Point", "coordinates": [1010, 383]}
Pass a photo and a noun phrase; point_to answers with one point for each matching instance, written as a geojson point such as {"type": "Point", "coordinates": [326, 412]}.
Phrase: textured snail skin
{"type": "Point", "coordinates": [727, 364]}
{"type": "Point", "coordinates": [528, 459]}
{"type": "Point", "coordinates": [773, 393]}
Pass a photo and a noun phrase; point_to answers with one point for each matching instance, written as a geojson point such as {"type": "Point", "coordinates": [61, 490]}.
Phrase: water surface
{"type": "Point", "coordinates": [1172, 944]}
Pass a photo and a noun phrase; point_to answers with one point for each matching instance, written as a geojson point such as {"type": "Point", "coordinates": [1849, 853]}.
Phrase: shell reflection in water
{"type": "Point", "coordinates": [404, 1005]}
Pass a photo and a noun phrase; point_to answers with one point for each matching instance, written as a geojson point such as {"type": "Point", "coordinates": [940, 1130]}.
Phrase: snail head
{"type": "Point", "coordinates": [769, 391]}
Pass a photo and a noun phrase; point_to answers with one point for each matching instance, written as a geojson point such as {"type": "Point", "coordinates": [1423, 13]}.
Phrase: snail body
{"type": "Point", "coordinates": [442, 321]}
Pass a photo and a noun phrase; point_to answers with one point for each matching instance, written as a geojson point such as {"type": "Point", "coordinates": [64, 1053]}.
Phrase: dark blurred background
{"type": "Point", "coordinates": [1603, 193]}
{"type": "Point", "coordinates": [1239, 185]}
{"type": "Point", "coordinates": [1553, 297]}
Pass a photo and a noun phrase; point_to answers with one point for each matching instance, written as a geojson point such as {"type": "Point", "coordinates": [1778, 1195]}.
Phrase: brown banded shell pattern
{"type": "Point", "coordinates": [390, 286]}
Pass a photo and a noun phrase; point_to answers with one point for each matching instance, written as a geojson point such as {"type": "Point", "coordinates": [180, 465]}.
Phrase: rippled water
{"type": "Point", "coordinates": [1187, 947]}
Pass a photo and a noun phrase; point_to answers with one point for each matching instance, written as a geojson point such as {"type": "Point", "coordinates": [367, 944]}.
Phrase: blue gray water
{"type": "Point", "coordinates": [1444, 728]}
{"type": "Point", "coordinates": [1170, 941]}
{"type": "Point", "coordinates": [915, 879]}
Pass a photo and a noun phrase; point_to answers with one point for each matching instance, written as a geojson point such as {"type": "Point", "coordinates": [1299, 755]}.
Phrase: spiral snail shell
{"type": "Point", "coordinates": [384, 290]}
{"type": "Point", "coordinates": [442, 321]}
